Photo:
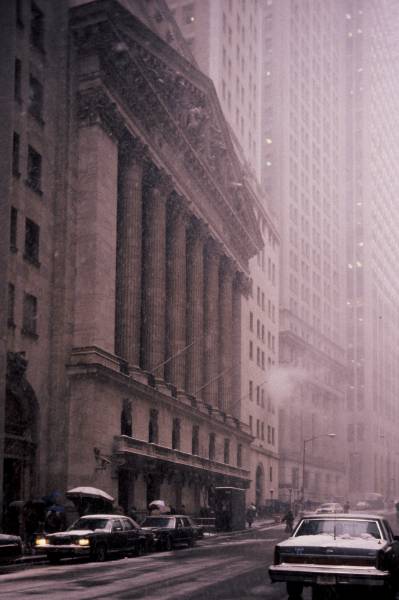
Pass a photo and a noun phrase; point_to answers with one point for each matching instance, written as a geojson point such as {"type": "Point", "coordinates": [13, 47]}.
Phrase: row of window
{"type": "Point", "coordinates": [260, 431]}
{"type": "Point", "coordinates": [153, 436]}
{"type": "Point", "coordinates": [260, 328]}
{"type": "Point", "coordinates": [29, 312]}
{"type": "Point", "coordinates": [32, 237]}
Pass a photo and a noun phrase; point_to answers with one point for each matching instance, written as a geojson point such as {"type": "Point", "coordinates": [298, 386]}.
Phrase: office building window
{"type": "Point", "coordinates": [34, 178]}
{"type": "Point", "coordinates": [32, 237]}
{"type": "Point", "coordinates": [226, 452]}
{"type": "Point", "coordinates": [13, 229]}
{"type": "Point", "coordinates": [11, 305]}
{"type": "Point", "coordinates": [153, 427]}
{"type": "Point", "coordinates": [37, 27]}
{"type": "Point", "coordinates": [239, 455]}
{"type": "Point", "coordinates": [212, 446]}
{"type": "Point", "coordinates": [35, 105]}
{"type": "Point", "coordinates": [251, 350]}
{"type": "Point", "coordinates": [176, 434]}
{"type": "Point", "coordinates": [29, 317]}
{"type": "Point", "coordinates": [17, 80]}
{"type": "Point", "coordinates": [195, 440]}
{"type": "Point", "coordinates": [251, 390]}
{"type": "Point", "coordinates": [126, 418]}
{"type": "Point", "coordinates": [15, 155]}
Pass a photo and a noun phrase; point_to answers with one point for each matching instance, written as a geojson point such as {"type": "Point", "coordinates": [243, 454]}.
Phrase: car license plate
{"type": "Point", "coordinates": [325, 580]}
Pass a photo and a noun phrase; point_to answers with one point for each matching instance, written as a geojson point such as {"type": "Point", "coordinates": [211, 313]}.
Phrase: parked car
{"type": "Point", "coordinates": [170, 530]}
{"type": "Point", "coordinates": [330, 507]}
{"type": "Point", "coordinates": [96, 536]}
{"type": "Point", "coordinates": [330, 551]}
{"type": "Point", "coordinates": [199, 530]}
{"type": "Point", "coordinates": [10, 548]}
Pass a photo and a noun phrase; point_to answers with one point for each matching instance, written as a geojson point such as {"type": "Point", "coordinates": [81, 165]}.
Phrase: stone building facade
{"type": "Point", "coordinates": [134, 367]}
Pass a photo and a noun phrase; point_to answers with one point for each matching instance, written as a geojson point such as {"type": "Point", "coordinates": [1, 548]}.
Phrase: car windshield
{"type": "Point", "coordinates": [89, 524]}
{"type": "Point", "coordinates": [339, 528]}
{"type": "Point", "coordinates": [157, 522]}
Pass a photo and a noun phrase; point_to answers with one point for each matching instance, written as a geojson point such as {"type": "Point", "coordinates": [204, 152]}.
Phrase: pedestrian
{"type": "Point", "coordinates": [347, 506]}
{"type": "Point", "coordinates": [132, 513]}
{"type": "Point", "coordinates": [55, 519]}
{"type": "Point", "coordinates": [251, 514]}
{"type": "Point", "coordinates": [289, 520]}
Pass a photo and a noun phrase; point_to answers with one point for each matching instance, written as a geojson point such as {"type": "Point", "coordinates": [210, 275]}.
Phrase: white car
{"type": "Point", "coordinates": [329, 507]}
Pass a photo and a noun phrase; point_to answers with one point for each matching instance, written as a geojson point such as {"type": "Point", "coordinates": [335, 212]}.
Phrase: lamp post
{"type": "Point", "coordinates": [306, 441]}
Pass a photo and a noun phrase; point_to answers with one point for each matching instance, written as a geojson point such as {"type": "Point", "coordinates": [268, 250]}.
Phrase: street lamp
{"type": "Point", "coordinates": [315, 437]}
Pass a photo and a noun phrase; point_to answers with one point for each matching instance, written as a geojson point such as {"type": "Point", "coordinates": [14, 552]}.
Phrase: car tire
{"type": "Point", "coordinates": [168, 545]}
{"type": "Point", "coordinates": [294, 590]}
{"type": "Point", "coordinates": [53, 559]}
{"type": "Point", "coordinates": [100, 553]}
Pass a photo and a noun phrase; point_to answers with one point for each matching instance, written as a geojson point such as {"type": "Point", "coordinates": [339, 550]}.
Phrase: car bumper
{"type": "Point", "coordinates": [67, 551]}
{"type": "Point", "coordinates": [328, 575]}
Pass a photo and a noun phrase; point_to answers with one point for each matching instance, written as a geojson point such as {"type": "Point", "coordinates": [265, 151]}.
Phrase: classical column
{"type": "Point", "coordinates": [225, 333]}
{"type": "Point", "coordinates": [235, 408]}
{"type": "Point", "coordinates": [96, 238]}
{"type": "Point", "coordinates": [177, 220]}
{"type": "Point", "coordinates": [195, 307]}
{"type": "Point", "coordinates": [156, 193]}
{"type": "Point", "coordinates": [129, 253]}
{"type": "Point", "coordinates": [211, 322]}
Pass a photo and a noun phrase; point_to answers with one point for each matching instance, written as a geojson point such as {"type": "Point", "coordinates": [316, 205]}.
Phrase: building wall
{"type": "Point", "coordinates": [303, 117]}
{"type": "Point", "coordinates": [226, 40]}
{"type": "Point", "coordinates": [372, 249]}
{"type": "Point", "coordinates": [110, 348]}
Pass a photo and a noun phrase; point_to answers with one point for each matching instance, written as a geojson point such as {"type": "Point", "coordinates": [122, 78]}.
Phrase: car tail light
{"type": "Point", "coordinates": [277, 556]}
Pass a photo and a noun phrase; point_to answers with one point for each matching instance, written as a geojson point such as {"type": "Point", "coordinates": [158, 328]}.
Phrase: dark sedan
{"type": "Point", "coordinates": [10, 548]}
{"type": "Point", "coordinates": [96, 536]}
{"type": "Point", "coordinates": [170, 530]}
{"type": "Point", "coordinates": [338, 551]}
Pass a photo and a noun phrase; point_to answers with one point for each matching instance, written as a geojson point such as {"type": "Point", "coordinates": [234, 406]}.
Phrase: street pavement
{"type": "Point", "coordinates": [229, 566]}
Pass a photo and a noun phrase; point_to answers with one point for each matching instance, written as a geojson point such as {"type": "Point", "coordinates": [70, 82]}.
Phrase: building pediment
{"type": "Point", "coordinates": [175, 111]}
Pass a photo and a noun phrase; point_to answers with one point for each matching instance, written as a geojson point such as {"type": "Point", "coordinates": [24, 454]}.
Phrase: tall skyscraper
{"type": "Point", "coordinates": [373, 251]}
{"type": "Point", "coordinates": [225, 37]}
{"type": "Point", "coordinates": [304, 175]}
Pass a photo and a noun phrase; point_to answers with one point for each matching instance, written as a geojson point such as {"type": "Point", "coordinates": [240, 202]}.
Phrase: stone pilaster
{"type": "Point", "coordinates": [211, 322]}
{"type": "Point", "coordinates": [129, 252]}
{"type": "Point", "coordinates": [195, 307]}
{"type": "Point", "coordinates": [96, 239]}
{"type": "Point", "coordinates": [177, 221]}
{"type": "Point", "coordinates": [153, 329]}
{"type": "Point", "coordinates": [225, 333]}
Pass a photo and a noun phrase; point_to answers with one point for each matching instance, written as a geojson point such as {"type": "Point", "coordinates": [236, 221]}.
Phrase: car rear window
{"type": "Point", "coordinates": [340, 528]}
{"type": "Point", "coordinates": [157, 522]}
{"type": "Point", "coordinates": [90, 524]}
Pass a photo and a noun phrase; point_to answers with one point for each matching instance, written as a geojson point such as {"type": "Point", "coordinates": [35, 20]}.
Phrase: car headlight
{"type": "Point", "coordinates": [41, 541]}
{"type": "Point", "coordinates": [84, 542]}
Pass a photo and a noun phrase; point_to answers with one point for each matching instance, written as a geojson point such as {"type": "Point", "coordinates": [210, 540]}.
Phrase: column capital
{"type": "Point", "coordinates": [132, 149]}
{"type": "Point", "coordinates": [213, 249]}
{"type": "Point", "coordinates": [156, 179]}
{"type": "Point", "coordinates": [177, 210]}
{"type": "Point", "coordinates": [95, 107]}
{"type": "Point", "coordinates": [243, 283]}
{"type": "Point", "coordinates": [228, 266]}
{"type": "Point", "coordinates": [198, 229]}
